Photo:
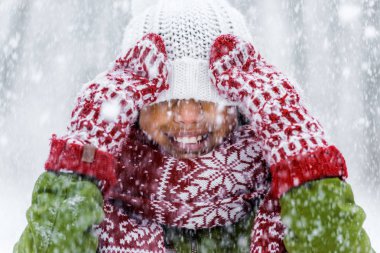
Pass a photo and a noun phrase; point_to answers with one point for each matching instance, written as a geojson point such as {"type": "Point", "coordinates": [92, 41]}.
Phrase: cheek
{"type": "Point", "coordinates": [153, 123]}
{"type": "Point", "coordinates": [221, 121]}
{"type": "Point", "coordinates": [224, 123]}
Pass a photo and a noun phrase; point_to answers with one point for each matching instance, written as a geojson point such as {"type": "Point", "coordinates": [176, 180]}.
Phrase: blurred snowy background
{"type": "Point", "coordinates": [49, 48]}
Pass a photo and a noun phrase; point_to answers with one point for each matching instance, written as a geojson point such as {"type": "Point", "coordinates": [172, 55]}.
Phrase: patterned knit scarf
{"type": "Point", "coordinates": [212, 190]}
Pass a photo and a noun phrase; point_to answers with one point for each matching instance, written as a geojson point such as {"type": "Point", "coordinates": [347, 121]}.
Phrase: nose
{"type": "Point", "coordinates": [188, 112]}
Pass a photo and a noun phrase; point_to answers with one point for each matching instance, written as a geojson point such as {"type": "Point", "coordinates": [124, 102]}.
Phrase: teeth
{"type": "Point", "coordinates": [187, 140]}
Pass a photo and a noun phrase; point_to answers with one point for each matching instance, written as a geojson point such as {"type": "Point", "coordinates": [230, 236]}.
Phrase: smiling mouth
{"type": "Point", "coordinates": [189, 142]}
{"type": "Point", "coordinates": [189, 139]}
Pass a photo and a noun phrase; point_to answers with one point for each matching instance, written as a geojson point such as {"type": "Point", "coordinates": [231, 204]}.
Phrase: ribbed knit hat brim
{"type": "Point", "coordinates": [188, 29]}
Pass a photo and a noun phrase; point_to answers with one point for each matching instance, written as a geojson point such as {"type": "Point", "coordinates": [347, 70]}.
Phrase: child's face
{"type": "Point", "coordinates": [187, 128]}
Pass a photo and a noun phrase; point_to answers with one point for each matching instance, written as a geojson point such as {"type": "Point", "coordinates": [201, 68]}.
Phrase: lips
{"type": "Point", "coordinates": [190, 139]}
{"type": "Point", "coordinates": [189, 142]}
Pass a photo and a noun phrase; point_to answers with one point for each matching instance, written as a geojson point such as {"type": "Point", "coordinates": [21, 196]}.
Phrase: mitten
{"type": "Point", "coordinates": [106, 108]}
{"type": "Point", "coordinates": [292, 141]}
{"type": "Point", "coordinates": [321, 216]}
{"type": "Point", "coordinates": [63, 211]}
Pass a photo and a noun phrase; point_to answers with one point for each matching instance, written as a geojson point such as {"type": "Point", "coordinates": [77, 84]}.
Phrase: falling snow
{"type": "Point", "coordinates": [349, 12]}
{"type": "Point", "coordinates": [47, 50]}
{"type": "Point", "coordinates": [371, 32]}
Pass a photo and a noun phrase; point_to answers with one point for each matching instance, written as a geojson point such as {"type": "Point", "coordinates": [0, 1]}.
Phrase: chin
{"type": "Point", "coordinates": [191, 154]}
{"type": "Point", "coordinates": [172, 151]}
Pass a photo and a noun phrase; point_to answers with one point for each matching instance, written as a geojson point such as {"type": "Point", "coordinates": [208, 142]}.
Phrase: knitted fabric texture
{"type": "Point", "coordinates": [106, 108]}
{"type": "Point", "coordinates": [135, 80]}
{"type": "Point", "coordinates": [204, 192]}
{"type": "Point", "coordinates": [188, 28]}
{"type": "Point", "coordinates": [292, 140]}
{"type": "Point", "coordinates": [208, 191]}
{"type": "Point", "coordinates": [282, 139]}
{"type": "Point", "coordinates": [212, 190]}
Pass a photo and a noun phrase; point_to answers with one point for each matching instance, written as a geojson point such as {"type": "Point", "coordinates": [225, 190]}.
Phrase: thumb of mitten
{"type": "Point", "coordinates": [230, 58]}
{"type": "Point", "coordinates": [147, 61]}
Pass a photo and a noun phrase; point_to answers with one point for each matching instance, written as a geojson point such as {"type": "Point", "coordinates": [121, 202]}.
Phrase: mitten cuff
{"type": "Point", "coordinates": [297, 170]}
{"type": "Point", "coordinates": [81, 159]}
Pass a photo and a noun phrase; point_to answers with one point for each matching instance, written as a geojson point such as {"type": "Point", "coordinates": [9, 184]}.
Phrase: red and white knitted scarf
{"type": "Point", "coordinates": [204, 192]}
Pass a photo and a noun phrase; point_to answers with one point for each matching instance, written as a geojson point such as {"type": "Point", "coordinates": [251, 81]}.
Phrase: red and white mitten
{"type": "Point", "coordinates": [292, 141]}
{"type": "Point", "coordinates": [106, 108]}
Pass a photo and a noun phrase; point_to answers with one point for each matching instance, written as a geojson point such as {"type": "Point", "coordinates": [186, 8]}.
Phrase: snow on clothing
{"type": "Point", "coordinates": [64, 208]}
{"type": "Point", "coordinates": [188, 28]}
{"type": "Point", "coordinates": [212, 190]}
{"type": "Point", "coordinates": [321, 216]}
{"type": "Point", "coordinates": [282, 141]}
{"type": "Point", "coordinates": [135, 80]}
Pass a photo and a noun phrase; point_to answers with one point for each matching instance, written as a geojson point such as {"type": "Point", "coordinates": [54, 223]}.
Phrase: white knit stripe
{"type": "Point", "coordinates": [115, 249]}
{"type": "Point", "coordinates": [168, 167]}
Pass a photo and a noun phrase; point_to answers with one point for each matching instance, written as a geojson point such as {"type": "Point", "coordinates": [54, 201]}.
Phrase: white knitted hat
{"type": "Point", "coordinates": [188, 28]}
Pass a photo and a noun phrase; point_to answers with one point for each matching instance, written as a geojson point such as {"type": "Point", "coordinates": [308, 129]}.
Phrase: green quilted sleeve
{"type": "Point", "coordinates": [321, 216]}
{"type": "Point", "coordinates": [64, 209]}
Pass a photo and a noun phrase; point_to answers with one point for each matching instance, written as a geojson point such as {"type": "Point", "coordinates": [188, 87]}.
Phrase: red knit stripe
{"type": "Point", "coordinates": [68, 156]}
{"type": "Point", "coordinates": [297, 170]}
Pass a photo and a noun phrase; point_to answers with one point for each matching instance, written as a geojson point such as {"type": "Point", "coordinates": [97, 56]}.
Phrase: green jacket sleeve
{"type": "Point", "coordinates": [321, 216]}
{"type": "Point", "coordinates": [64, 209]}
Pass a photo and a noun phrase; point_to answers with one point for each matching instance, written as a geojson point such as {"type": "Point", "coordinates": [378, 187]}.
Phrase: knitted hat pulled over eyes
{"type": "Point", "coordinates": [188, 28]}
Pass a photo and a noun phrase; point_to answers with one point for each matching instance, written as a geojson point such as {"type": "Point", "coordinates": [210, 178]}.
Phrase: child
{"type": "Point", "coordinates": [196, 144]}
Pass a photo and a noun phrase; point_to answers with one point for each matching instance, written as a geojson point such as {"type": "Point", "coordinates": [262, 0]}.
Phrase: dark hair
{"type": "Point", "coordinates": [242, 120]}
